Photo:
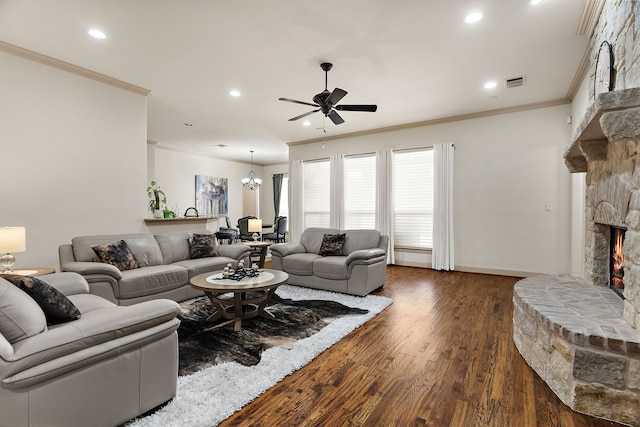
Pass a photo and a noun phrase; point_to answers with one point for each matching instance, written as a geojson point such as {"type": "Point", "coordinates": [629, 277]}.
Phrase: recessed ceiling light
{"type": "Point", "coordinates": [473, 17]}
{"type": "Point", "coordinates": [490, 85]}
{"type": "Point", "coordinates": [306, 123]}
{"type": "Point", "coordinates": [234, 92]}
{"type": "Point", "coordinates": [534, 2]}
{"type": "Point", "coordinates": [97, 34]}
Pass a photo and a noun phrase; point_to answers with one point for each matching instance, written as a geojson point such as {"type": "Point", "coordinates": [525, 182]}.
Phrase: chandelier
{"type": "Point", "coordinates": [251, 182]}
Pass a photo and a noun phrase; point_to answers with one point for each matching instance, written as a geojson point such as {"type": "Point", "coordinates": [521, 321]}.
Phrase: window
{"type": "Point", "coordinates": [284, 197]}
{"type": "Point", "coordinates": [316, 194]}
{"type": "Point", "coordinates": [413, 176]}
{"type": "Point", "coordinates": [360, 192]}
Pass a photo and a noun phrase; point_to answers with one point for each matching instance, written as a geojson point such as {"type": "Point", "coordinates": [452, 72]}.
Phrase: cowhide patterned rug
{"type": "Point", "coordinates": [203, 344]}
{"type": "Point", "coordinates": [218, 370]}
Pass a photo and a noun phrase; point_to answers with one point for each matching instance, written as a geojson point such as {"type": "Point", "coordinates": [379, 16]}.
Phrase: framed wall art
{"type": "Point", "coordinates": [211, 195]}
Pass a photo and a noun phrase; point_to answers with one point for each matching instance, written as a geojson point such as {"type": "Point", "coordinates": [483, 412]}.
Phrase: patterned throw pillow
{"type": "Point", "coordinates": [332, 244]}
{"type": "Point", "coordinates": [203, 245]}
{"type": "Point", "coordinates": [56, 306]}
{"type": "Point", "coordinates": [117, 254]}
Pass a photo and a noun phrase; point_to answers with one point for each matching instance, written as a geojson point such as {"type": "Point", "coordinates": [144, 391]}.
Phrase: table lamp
{"type": "Point", "coordinates": [12, 239]}
{"type": "Point", "coordinates": [255, 226]}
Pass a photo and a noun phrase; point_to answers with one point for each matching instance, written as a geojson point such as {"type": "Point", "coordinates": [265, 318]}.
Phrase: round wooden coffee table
{"type": "Point", "coordinates": [250, 294]}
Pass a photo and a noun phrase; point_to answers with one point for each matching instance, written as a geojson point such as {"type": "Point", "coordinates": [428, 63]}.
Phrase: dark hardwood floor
{"type": "Point", "coordinates": [441, 355]}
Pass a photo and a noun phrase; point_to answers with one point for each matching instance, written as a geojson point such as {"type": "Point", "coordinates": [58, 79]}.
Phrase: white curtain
{"type": "Point", "coordinates": [443, 251]}
{"type": "Point", "coordinates": [336, 195]}
{"type": "Point", "coordinates": [296, 201]}
{"type": "Point", "coordinates": [384, 199]}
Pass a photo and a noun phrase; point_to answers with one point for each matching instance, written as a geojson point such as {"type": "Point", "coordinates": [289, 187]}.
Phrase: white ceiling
{"type": "Point", "coordinates": [416, 59]}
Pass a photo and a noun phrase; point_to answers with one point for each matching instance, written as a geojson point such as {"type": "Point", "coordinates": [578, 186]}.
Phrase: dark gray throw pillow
{"type": "Point", "coordinates": [56, 306]}
{"type": "Point", "coordinates": [332, 245]}
{"type": "Point", "coordinates": [202, 246]}
{"type": "Point", "coordinates": [117, 254]}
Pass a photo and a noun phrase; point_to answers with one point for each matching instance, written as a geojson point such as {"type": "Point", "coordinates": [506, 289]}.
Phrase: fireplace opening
{"type": "Point", "coordinates": [616, 263]}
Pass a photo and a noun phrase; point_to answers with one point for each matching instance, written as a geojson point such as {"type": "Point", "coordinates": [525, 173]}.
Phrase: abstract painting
{"type": "Point", "coordinates": [211, 195]}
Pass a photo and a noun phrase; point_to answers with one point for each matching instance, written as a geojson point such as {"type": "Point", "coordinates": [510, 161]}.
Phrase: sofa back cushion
{"type": "Point", "coordinates": [143, 246]}
{"type": "Point", "coordinates": [360, 239]}
{"type": "Point", "coordinates": [174, 245]}
{"type": "Point", "coordinates": [311, 238]}
{"type": "Point", "coordinates": [20, 315]}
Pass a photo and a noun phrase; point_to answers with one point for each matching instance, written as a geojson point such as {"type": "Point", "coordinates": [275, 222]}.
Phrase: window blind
{"type": "Point", "coordinates": [360, 192]}
{"type": "Point", "coordinates": [413, 177]}
{"type": "Point", "coordinates": [316, 194]}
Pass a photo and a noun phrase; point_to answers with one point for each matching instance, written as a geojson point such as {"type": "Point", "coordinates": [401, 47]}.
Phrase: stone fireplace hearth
{"type": "Point", "coordinates": [578, 334]}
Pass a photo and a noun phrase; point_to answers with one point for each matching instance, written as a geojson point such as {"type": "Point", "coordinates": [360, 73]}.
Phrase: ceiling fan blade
{"type": "Point", "coordinates": [336, 96]}
{"type": "Point", "coordinates": [297, 102]}
{"type": "Point", "coordinates": [361, 107]}
{"type": "Point", "coordinates": [335, 117]}
{"type": "Point", "coordinates": [303, 115]}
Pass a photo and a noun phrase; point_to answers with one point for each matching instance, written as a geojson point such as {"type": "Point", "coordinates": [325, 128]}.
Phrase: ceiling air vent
{"type": "Point", "coordinates": [514, 82]}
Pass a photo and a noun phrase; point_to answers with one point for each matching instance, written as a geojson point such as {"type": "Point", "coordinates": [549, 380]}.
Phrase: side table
{"type": "Point", "coordinates": [32, 272]}
{"type": "Point", "coordinates": [259, 245]}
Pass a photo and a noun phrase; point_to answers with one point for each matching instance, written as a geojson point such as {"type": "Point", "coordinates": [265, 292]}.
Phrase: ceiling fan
{"type": "Point", "coordinates": [326, 101]}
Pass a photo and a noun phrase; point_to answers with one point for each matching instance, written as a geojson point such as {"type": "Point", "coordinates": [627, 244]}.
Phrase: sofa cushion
{"type": "Point", "coordinates": [20, 315]}
{"type": "Point", "coordinates": [57, 308]}
{"type": "Point", "coordinates": [206, 265]}
{"type": "Point", "coordinates": [332, 267]}
{"type": "Point", "coordinates": [360, 239]}
{"type": "Point", "coordinates": [311, 238]}
{"type": "Point", "coordinates": [332, 245]}
{"type": "Point", "coordinates": [151, 280]}
{"type": "Point", "coordinates": [203, 246]}
{"type": "Point", "coordinates": [174, 245]}
{"type": "Point", "coordinates": [300, 264]}
{"type": "Point", "coordinates": [117, 254]}
{"type": "Point", "coordinates": [143, 246]}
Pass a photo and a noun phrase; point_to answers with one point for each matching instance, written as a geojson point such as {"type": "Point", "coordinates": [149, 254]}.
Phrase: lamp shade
{"type": "Point", "coordinates": [13, 239]}
{"type": "Point", "coordinates": [255, 226]}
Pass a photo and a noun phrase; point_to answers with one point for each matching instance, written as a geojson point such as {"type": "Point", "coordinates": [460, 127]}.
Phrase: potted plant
{"type": "Point", "coordinates": [156, 199]}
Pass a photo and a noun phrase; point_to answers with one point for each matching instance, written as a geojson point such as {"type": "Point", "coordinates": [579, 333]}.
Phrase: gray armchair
{"type": "Point", "coordinates": [103, 369]}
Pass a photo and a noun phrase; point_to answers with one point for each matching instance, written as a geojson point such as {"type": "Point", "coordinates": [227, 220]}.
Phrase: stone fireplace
{"type": "Point", "coordinates": [579, 335]}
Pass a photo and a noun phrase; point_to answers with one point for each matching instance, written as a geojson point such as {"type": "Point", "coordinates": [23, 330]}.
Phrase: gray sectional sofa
{"type": "Point", "coordinates": [102, 369]}
{"type": "Point", "coordinates": [165, 266]}
{"type": "Point", "coordinates": [359, 271]}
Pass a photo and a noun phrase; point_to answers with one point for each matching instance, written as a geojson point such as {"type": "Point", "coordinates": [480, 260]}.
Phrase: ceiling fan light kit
{"type": "Point", "coordinates": [326, 101]}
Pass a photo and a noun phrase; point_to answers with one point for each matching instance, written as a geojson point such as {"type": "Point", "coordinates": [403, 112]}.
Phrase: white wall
{"type": "Point", "coordinates": [73, 157]}
{"type": "Point", "coordinates": [507, 169]}
{"type": "Point", "coordinates": [176, 171]}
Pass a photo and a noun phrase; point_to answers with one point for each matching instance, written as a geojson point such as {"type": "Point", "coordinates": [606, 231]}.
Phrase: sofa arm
{"type": "Point", "coordinates": [365, 255]}
{"type": "Point", "coordinates": [79, 342]}
{"type": "Point", "coordinates": [89, 268]}
{"type": "Point", "coordinates": [67, 283]}
{"type": "Point", "coordinates": [284, 249]}
{"type": "Point", "coordinates": [237, 252]}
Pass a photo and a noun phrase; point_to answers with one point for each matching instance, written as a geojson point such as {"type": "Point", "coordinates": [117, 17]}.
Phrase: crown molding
{"type": "Point", "coordinates": [71, 68]}
{"type": "Point", "coordinates": [450, 119]}
{"type": "Point", "coordinates": [590, 15]}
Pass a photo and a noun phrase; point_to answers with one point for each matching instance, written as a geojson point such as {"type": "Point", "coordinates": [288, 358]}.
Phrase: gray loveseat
{"type": "Point", "coordinates": [166, 266]}
{"type": "Point", "coordinates": [109, 366]}
{"type": "Point", "coordinates": [359, 271]}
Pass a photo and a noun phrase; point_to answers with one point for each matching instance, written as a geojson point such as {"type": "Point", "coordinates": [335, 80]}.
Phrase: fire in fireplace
{"type": "Point", "coordinates": [616, 269]}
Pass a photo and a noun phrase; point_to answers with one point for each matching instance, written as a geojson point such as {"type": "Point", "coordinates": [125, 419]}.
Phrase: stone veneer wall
{"type": "Point", "coordinates": [573, 335]}
{"type": "Point", "coordinates": [619, 24]}
{"type": "Point", "coordinates": [582, 339]}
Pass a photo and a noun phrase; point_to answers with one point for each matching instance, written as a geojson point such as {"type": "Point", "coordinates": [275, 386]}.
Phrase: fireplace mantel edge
{"type": "Point", "coordinates": [600, 125]}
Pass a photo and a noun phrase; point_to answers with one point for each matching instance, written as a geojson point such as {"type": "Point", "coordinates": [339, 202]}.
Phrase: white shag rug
{"type": "Point", "coordinates": [210, 396]}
